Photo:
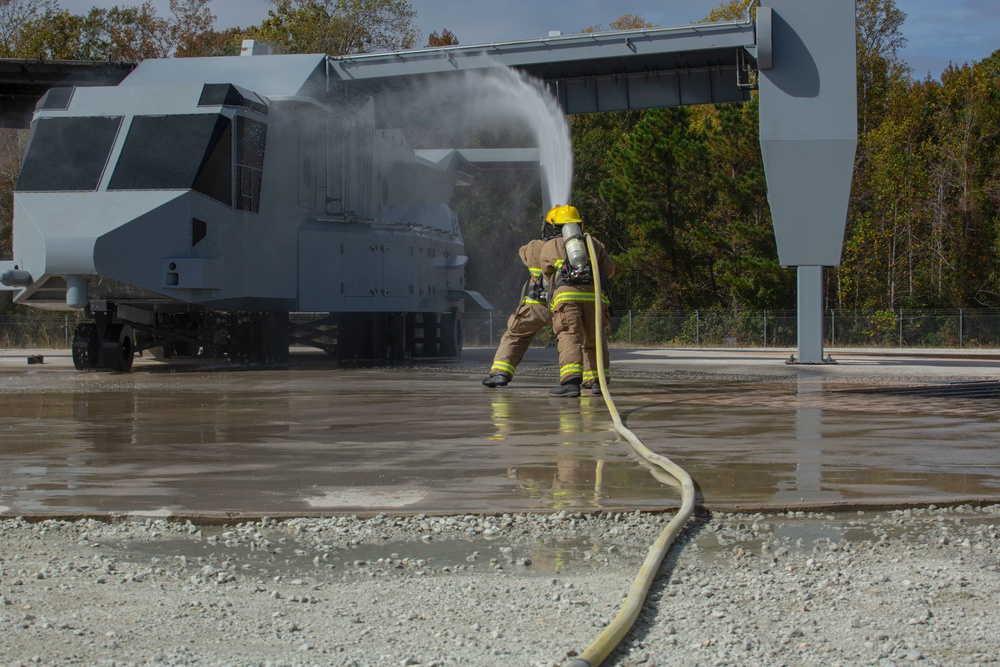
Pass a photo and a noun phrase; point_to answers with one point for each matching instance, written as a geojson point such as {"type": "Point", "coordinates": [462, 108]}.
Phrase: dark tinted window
{"type": "Point", "coordinates": [226, 94]}
{"type": "Point", "coordinates": [199, 230]}
{"type": "Point", "coordinates": [177, 152]}
{"type": "Point", "coordinates": [251, 138]}
{"type": "Point", "coordinates": [67, 153]}
{"type": "Point", "coordinates": [55, 98]}
{"type": "Point", "coordinates": [215, 176]}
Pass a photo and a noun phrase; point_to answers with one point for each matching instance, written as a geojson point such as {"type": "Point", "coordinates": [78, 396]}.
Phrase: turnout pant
{"type": "Point", "coordinates": [523, 324]}
{"type": "Point", "coordinates": [576, 332]}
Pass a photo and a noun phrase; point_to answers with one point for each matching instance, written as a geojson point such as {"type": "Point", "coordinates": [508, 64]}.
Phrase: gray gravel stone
{"type": "Point", "coordinates": [916, 586]}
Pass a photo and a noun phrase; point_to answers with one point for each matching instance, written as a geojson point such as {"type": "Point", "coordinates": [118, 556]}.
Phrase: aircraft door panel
{"type": "Point", "coordinates": [362, 267]}
{"type": "Point", "coordinates": [398, 270]}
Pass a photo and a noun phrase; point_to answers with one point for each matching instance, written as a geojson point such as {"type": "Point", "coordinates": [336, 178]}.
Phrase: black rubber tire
{"type": "Point", "coordinates": [451, 333]}
{"type": "Point", "coordinates": [119, 348]}
{"type": "Point", "coordinates": [85, 346]}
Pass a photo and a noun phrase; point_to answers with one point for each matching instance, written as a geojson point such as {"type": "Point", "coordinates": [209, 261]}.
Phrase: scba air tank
{"type": "Point", "coordinates": [576, 249]}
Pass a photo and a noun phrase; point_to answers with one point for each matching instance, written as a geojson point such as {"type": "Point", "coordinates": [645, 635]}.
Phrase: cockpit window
{"type": "Point", "coordinates": [67, 153]}
{"type": "Point", "coordinates": [178, 152]}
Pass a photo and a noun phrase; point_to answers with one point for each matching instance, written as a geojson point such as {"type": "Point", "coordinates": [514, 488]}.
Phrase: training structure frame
{"type": "Point", "coordinates": [345, 219]}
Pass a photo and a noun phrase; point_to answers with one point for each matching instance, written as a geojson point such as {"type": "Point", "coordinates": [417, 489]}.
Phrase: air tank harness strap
{"type": "Point", "coordinates": [566, 274]}
{"type": "Point", "coordinates": [536, 292]}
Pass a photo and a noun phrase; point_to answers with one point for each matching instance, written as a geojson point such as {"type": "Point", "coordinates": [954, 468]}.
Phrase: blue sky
{"type": "Point", "coordinates": [938, 31]}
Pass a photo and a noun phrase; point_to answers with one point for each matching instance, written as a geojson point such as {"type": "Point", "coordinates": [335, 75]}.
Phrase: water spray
{"type": "Point", "coordinates": [497, 96]}
{"type": "Point", "coordinates": [509, 95]}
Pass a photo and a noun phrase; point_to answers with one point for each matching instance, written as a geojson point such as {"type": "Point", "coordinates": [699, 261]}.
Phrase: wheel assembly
{"type": "Point", "coordinates": [451, 333]}
{"type": "Point", "coordinates": [85, 350]}
{"type": "Point", "coordinates": [118, 348]}
{"type": "Point", "coordinates": [112, 351]}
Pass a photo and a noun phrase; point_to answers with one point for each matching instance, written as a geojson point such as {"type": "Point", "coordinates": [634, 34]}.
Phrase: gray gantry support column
{"type": "Point", "coordinates": [806, 51]}
{"type": "Point", "coordinates": [810, 315]}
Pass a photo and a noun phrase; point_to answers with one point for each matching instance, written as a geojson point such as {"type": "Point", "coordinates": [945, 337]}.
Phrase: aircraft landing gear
{"type": "Point", "coordinates": [119, 347]}
{"type": "Point", "coordinates": [85, 346]}
{"type": "Point", "coordinates": [103, 345]}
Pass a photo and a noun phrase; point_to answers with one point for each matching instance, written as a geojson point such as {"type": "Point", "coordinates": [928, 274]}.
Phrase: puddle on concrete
{"type": "Point", "coordinates": [759, 536]}
{"type": "Point", "coordinates": [346, 441]}
{"type": "Point", "coordinates": [289, 558]}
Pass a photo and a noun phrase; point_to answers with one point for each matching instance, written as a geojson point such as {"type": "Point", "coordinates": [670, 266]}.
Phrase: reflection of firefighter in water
{"type": "Point", "coordinates": [570, 481]}
{"type": "Point", "coordinates": [501, 416]}
{"type": "Point", "coordinates": [531, 316]}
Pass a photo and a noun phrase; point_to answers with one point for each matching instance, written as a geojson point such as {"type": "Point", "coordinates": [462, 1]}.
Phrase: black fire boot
{"type": "Point", "coordinates": [568, 389]}
{"type": "Point", "coordinates": [496, 380]}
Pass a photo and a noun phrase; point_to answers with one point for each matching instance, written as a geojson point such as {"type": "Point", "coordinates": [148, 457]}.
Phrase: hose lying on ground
{"type": "Point", "coordinates": [619, 626]}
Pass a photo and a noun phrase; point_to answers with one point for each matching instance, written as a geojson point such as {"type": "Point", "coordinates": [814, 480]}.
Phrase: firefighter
{"type": "Point", "coordinates": [530, 317]}
{"type": "Point", "coordinates": [566, 265]}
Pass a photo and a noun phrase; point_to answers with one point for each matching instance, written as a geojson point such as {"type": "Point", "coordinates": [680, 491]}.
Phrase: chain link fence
{"type": "Point", "coordinates": [947, 328]}
{"type": "Point", "coordinates": [37, 329]}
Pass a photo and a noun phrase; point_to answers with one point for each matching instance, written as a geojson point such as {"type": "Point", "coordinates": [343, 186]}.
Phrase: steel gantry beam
{"type": "Point", "coordinates": [589, 72]}
{"type": "Point", "coordinates": [801, 55]}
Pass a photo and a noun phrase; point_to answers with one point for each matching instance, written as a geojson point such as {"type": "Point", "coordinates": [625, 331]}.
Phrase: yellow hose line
{"type": "Point", "coordinates": [619, 626]}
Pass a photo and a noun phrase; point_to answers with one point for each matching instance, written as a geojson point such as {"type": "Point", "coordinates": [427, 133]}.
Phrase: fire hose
{"type": "Point", "coordinates": [611, 636]}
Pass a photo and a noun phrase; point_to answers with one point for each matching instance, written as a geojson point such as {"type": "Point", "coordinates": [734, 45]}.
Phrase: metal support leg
{"type": "Point", "coordinates": [810, 316]}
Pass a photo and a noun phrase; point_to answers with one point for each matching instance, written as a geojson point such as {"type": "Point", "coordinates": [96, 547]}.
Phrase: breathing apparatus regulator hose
{"type": "Point", "coordinates": [619, 626]}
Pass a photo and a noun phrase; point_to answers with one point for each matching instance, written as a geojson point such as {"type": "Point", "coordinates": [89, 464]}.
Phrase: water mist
{"type": "Point", "coordinates": [495, 107]}
{"type": "Point", "coordinates": [506, 94]}
{"type": "Point", "coordinates": [490, 99]}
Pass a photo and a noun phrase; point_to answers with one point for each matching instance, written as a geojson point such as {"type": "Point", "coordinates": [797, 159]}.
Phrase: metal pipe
{"type": "Point", "coordinates": [15, 278]}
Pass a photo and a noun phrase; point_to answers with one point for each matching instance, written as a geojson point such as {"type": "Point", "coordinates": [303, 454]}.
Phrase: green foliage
{"type": "Point", "coordinates": [881, 327]}
{"type": "Point", "coordinates": [879, 67]}
{"type": "Point", "coordinates": [338, 27]}
{"type": "Point", "coordinates": [16, 20]}
{"type": "Point", "coordinates": [923, 222]}
{"type": "Point", "coordinates": [677, 195]}
{"type": "Point", "coordinates": [736, 227]}
{"type": "Point", "coordinates": [642, 328]}
{"type": "Point", "coordinates": [594, 137]}
{"type": "Point", "coordinates": [729, 10]}
{"type": "Point", "coordinates": [11, 147]}
{"type": "Point", "coordinates": [192, 33]}
{"type": "Point", "coordinates": [446, 38]}
{"type": "Point", "coordinates": [685, 210]}
{"type": "Point", "coordinates": [41, 29]}
{"type": "Point", "coordinates": [30, 327]}
{"type": "Point", "coordinates": [654, 181]}
{"type": "Point", "coordinates": [115, 34]}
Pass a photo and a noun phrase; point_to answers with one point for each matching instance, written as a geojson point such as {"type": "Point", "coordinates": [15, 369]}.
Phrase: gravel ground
{"type": "Point", "coordinates": [916, 586]}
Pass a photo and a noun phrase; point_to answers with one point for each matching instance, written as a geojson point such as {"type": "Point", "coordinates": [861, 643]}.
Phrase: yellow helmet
{"type": "Point", "coordinates": [560, 215]}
